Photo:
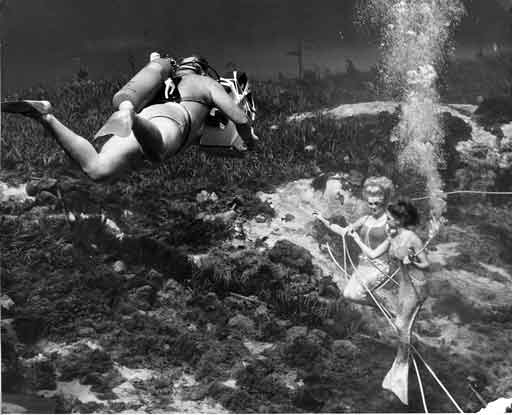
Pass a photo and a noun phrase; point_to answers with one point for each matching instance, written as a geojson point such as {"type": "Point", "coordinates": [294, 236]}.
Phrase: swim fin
{"type": "Point", "coordinates": [32, 109]}
{"type": "Point", "coordinates": [120, 123]}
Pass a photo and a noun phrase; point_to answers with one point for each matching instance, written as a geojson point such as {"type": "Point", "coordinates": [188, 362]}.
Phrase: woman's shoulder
{"type": "Point", "coordinates": [410, 237]}
{"type": "Point", "coordinates": [361, 220]}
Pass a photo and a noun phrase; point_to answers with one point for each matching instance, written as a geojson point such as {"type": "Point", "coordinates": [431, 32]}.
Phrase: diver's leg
{"type": "Point", "coordinates": [75, 146]}
{"type": "Point", "coordinates": [160, 129]}
{"type": "Point", "coordinates": [117, 156]}
{"type": "Point", "coordinates": [114, 157]}
{"type": "Point", "coordinates": [158, 136]}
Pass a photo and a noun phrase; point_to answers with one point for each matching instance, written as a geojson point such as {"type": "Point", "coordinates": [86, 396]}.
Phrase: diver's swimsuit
{"type": "Point", "coordinates": [199, 101]}
{"type": "Point", "coordinates": [175, 98]}
{"type": "Point", "coordinates": [163, 108]}
{"type": "Point", "coordinates": [174, 112]}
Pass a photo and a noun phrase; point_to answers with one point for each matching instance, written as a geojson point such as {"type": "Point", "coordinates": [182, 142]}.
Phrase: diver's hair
{"type": "Point", "coordinates": [406, 213]}
{"type": "Point", "coordinates": [195, 63]}
{"type": "Point", "coordinates": [319, 183]}
{"type": "Point", "coordinates": [378, 186]}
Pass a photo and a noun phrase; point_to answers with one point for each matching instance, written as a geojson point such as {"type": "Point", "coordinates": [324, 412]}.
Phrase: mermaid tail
{"type": "Point", "coordinates": [397, 378]}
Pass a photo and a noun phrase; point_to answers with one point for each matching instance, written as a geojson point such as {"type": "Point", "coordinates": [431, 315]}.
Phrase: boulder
{"type": "Point", "coordinates": [119, 266]}
{"type": "Point", "coordinates": [344, 348]}
{"type": "Point", "coordinates": [143, 297]}
{"type": "Point", "coordinates": [494, 110]}
{"type": "Point", "coordinates": [46, 198]}
{"type": "Point", "coordinates": [292, 255]}
{"type": "Point", "coordinates": [242, 323]}
{"type": "Point", "coordinates": [296, 332]}
{"type": "Point", "coordinates": [12, 408]}
{"type": "Point", "coordinates": [36, 186]}
{"type": "Point", "coordinates": [155, 278]}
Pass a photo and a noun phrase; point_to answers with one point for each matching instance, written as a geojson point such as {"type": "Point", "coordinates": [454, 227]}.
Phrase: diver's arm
{"type": "Point", "coordinates": [369, 252]}
{"type": "Point", "coordinates": [225, 103]}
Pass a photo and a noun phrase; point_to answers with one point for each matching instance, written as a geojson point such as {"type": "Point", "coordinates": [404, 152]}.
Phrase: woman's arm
{"type": "Point", "coordinates": [332, 226]}
{"type": "Point", "coordinates": [369, 252]}
{"type": "Point", "coordinates": [340, 230]}
{"type": "Point", "coordinates": [357, 224]}
{"type": "Point", "coordinates": [419, 260]}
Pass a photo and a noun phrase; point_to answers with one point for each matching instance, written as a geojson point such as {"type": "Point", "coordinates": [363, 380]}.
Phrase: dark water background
{"type": "Point", "coordinates": [48, 41]}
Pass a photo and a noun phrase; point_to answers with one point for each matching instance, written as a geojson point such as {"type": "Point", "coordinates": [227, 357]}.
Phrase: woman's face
{"type": "Point", "coordinates": [376, 205]}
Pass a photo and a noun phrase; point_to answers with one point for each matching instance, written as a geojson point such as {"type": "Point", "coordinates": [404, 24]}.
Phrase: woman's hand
{"type": "Point", "coordinates": [355, 236]}
{"type": "Point", "coordinates": [411, 257]}
{"type": "Point", "coordinates": [320, 217]}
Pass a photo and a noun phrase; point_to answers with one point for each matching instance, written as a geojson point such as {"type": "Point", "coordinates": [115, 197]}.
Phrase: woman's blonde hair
{"type": "Point", "coordinates": [378, 186]}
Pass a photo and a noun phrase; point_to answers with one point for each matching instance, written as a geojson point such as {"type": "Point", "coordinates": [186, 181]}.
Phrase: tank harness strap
{"type": "Point", "coordinates": [197, 100]}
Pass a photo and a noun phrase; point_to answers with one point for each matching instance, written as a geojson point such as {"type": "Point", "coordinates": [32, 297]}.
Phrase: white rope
{"type": "Point", "coordinates": [420, 384]}
{"type": "Point", "coordinates": [347, 275]}
{"type": "Point", "coordinates": [478, 192]}
{"type": "Point", "coordinates": [344, 251]}
{"type": "Point", "coordinates": [426, 245]}
{"type": "Point", "coordinates": [436, 378]}
{"type": "Point", "coordinates": [386, 314]}
{"type": "Point", "coordinates": [389, 278]}
{"type": "Point", "coordinates": [344, 269]}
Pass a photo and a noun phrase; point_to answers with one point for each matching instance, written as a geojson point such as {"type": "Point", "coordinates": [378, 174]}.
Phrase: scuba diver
{"type": "Point", "coordinates": [161, 111]}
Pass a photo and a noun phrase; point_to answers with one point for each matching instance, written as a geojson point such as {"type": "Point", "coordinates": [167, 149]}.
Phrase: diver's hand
{"type": "Point", "coordinates": [253, 143]}
{"type": "Point", "coordinates": [250, 140]}
{"type": "Point", "coordinates": [407, 260]}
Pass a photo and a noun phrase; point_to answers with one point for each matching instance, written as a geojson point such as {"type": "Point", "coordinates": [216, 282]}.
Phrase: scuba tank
{"type": "Point", "coordinates": [140, 90]}
{"type": "Point", "coordinates": [145, 84]}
